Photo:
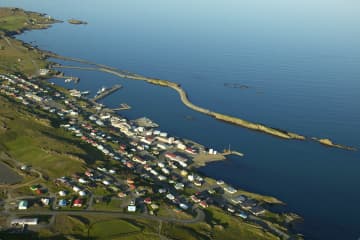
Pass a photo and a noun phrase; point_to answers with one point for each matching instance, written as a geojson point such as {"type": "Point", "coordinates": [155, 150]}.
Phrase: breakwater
{"type": "Point", "coordinates": [185, 100]}
{"type": "Point", "coordinates": [107, 92]}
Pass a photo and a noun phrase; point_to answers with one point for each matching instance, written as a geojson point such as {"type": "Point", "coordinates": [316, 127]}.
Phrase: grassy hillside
{"type": "Point", "coordinates": [16, 20]}
{"type": "Point", "coordinates": [14, 57]}
{"type": "Point", "coordinates": [34, 141]}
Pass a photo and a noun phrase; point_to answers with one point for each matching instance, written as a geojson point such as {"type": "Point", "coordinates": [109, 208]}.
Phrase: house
{"type": "Point", "coordinates": [132, 207]}
{"type": "Point", "coordinates": [203, 204]}
{"type": "Point", "coordinates": [78, 202]}
{"type": "Point", "coordinates": [39, 191]}
{"type": "Point", "coordinates": [162, 190]}
{"type": "Point", "coordinates": [230, 189]}
{"type": "Point", "coordinates": [242, 215]}
{"type": "Point", "coordinates": [34, 187]}
{"type": "Point", "coordinates": [198, 183]}
{"type": "Point", "coordinates": [130, 181]}
{"type": "Point", "coordinates": [162, 146]}
{"type": "Point", "coordinates": [148, 140]}
{"type": "Point", "coordinates": [230, 209]}
{"type": "Point", "coordinates": [43, 71]}
{"type": "Point", "coordinates": [25, 221]}
{"type": "Point", "coordinates": [23, 205]}
{"type": "Point", "coordinates": [175, 158]}
{"type": "Point", "coordinates": [190, 177]}
{"type": "Point", "coordinates": [179, 186]}
{"type": "Point", "coordinates": [82, 193]}
{"type": "Point", "coordinates": [121, 195]}
{"type": "Point", "coordinates": [154, 206]}
{"type": "Point", "coordinates": [62, 193]}
{"type": "Point", "coordinates": [76, 189]}
{"type": "Point", "coordinates": [105, 182]}
{"type": "Point", "coordinates": [257, 210]}
{"type": "Point", "coordinates": [62, 203]}
{"type": "Point", "coordinates": [248, 204]}
{"type": "Point", "coordinates": [139, 160]}
{"type": "Point", "coordinates": [170, 196]}
{"type": "Point", "coordinates": [220, 182]}
{"type": "Point", "coordinates": [45, 201]}
{"type": "Point", "coordinates": [190, 150]}
{"type": "Point", "coordinates": [194, 199]}
{"type": "Point", "coordinates": [82, 180]}
{"type": "Point", "coordinates": [183, 173]}
{"type": "Point", "coordinates": [181, 146]}
{"type": "Point", "coordinates": [147, 200]}
{"type": "Point", "coordinates": [238, 199]}
{"type": "Point", "coordinates": [162, 178]}
{"type": "Point", "coordinates": [183, 206]}
{"type": "Point", "coordinates": [211, 191]}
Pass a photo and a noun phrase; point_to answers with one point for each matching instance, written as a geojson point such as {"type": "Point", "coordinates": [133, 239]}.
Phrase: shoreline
{"type": "Point", "coordinates": [283, 134]}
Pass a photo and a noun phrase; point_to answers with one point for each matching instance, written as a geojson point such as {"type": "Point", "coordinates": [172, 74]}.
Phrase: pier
{"type": "Point", "coordinates": [67, 78]}
{"type": "Point", "coordinates": [107, 92]}
{"type": "Point", "coordinates": [122, 107]}
{"type": "Point", "coordinates": [226, 153]}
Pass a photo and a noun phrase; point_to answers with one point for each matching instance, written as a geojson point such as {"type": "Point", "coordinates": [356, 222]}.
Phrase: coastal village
{"type": "Point", "coordinates": [155, 170]}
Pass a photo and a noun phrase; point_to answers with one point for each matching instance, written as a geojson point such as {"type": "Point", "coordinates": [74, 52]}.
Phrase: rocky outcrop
{"type": "Point", "coordinates": [76, 22]}
{"type": "Point", "coordinates": [329, 143]}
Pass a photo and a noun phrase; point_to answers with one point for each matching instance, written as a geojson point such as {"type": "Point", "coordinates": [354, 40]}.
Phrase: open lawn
{"type": "Point", "coordinates": [113, 228]}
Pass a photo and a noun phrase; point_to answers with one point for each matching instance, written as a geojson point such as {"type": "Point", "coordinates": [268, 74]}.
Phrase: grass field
{"type": "Point", "coordinates": [228, 227]}
{"type": "Point", "coordinates": [34, 141]}
{"type": "Point", "coordinates": [113, 228]}
{"type": "Point", "coordinates": [14, 57]}
{"type": "Point", "coordinates": [15, 19]}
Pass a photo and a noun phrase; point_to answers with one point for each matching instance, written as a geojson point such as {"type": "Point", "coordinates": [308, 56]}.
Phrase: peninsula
{"type": "Point", "coordinates": [83, 171]}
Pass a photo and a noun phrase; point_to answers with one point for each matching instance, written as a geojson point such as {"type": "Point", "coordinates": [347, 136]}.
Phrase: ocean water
{"type": "Point", "coordinates": [300, 60]}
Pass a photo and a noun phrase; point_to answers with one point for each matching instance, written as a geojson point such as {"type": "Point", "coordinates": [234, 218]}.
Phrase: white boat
{"type": "Point", "coordinates": [101, 90]}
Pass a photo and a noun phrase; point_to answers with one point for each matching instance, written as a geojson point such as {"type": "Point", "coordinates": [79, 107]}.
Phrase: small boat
{"type": "Point", "coordinates": [101, 90]}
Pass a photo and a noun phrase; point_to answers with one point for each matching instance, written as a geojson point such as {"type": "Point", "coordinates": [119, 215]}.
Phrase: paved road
{"type": "Point", "coordinates": [200, 215]}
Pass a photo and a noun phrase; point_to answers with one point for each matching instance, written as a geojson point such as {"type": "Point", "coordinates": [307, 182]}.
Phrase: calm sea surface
{"type": "Point", "coordinates": [300, 59]}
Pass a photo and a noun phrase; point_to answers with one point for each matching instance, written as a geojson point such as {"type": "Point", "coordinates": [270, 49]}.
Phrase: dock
{"type": "Point", "coordinates": [226, 153]}
{"type": "Point", "coordinates": [122, 107]}
{"type": "Point", "coordinates": [67, 78]}
{"type": "Point", "coordinates": [107, 92]}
